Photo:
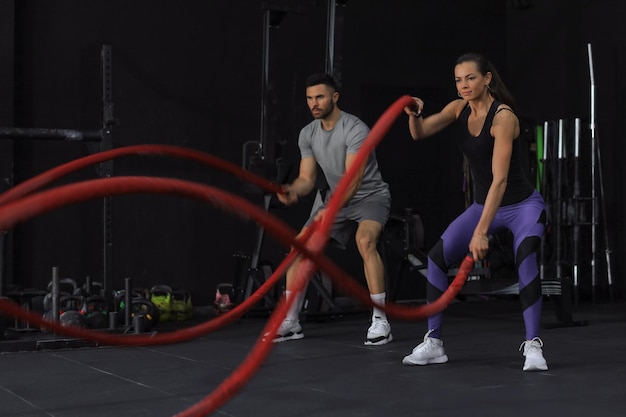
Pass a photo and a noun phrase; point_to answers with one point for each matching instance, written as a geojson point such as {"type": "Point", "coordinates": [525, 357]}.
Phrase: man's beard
{"type": "Point", "coordinates": [325, 114]}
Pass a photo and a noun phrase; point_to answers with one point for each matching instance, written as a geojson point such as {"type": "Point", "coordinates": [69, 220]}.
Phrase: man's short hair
{"type": "Point", "coordinates": [326, 79]}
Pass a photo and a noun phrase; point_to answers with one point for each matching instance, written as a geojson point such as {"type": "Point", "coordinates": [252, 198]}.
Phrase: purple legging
{"type": "Point", "coordinates": [525, 221]}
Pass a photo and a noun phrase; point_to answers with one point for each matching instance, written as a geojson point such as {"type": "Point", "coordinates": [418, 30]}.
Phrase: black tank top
{"type": "Point", "coordinates": [479, 152]}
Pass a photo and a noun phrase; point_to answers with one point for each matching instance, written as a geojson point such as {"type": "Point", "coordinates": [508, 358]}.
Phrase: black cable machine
{"type": "Point", "coordinates": [259, 157]}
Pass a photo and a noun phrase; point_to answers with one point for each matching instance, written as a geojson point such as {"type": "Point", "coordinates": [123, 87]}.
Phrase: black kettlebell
{"type": "Point", "coordinates": [66, 285]}
{"type": "Point", "coordinates": [70, 311]}
{"type": "Point", "coordinates": [96, 312]}
{"type": "Point", "coordinates": [47, 300]}
{"type": "Point", "coordinates": [145, 315]}
{"type": "Point", "coordinates": [141, 292]}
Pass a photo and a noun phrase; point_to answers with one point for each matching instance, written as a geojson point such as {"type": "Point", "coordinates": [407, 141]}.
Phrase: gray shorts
{"type": "Point", "coordinates": [375, 207]}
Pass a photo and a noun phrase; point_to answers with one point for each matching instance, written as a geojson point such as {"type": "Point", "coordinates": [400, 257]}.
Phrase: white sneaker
{"type": "Point", "coordinates": [288, 330]}
{"type": "Point", "coordinates": [534, 355]}
{"type": "Point", "coordinates": [428, 352]}
{"type": "Point", "coordinates": [379, 333]}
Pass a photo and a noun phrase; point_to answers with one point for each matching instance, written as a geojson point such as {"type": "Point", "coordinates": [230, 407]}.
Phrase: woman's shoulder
{"type": "Point", "coordinates": [456, 107]}
{"type": "Point", "coordinates": [504, 112]}
{"type": "Point", "coordinates": [505, 117]}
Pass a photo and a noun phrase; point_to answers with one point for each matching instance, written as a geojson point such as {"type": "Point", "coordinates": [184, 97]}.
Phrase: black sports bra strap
{"type": "Point", "coordinates": [504, 108]}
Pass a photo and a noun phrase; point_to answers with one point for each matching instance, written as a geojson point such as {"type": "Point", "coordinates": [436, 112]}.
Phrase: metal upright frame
{"type": "Point", "coordinates": [102, 139]}
{"type": "Point", "coordinates": [596, 175]}
{"type": "Point", "coordinates": [263, 154]}
{"type": "Point", "coordinates": [576, 197]}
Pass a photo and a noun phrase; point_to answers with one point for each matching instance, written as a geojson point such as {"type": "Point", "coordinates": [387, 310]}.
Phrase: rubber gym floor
{"type": "Point", "coordinates": [331, 373]}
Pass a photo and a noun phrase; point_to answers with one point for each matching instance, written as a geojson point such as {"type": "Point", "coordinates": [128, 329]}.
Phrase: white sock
{"type": "Point", "coordinates": [294, 311]}
{"type": "Point", "coordinates": [379, 299]}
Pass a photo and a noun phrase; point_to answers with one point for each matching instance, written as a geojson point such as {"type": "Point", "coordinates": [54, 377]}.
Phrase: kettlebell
{"type": "Point", "coordinates": [70, 311]}
{"type": "Point", "coordinates": [161, 296]}
{"type": "Point", "coordinates": [96, 312]}
{"type": "Point", "coordinates": [145, 315]}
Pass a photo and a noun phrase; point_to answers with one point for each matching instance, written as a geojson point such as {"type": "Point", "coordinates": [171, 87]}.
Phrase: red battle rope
{"type": "Point", "coordinates": [16, 207]}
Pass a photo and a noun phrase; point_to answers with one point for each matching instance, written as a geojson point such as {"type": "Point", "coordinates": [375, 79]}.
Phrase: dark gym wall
{"type": "Point", "coordinates": [7, 40]}
{"type": "Point", "coordinates": [191, 76]}
{"type": "Point", "coordinates": [184, 76]}
{"type": "Point", "coordinates": [403, 49]}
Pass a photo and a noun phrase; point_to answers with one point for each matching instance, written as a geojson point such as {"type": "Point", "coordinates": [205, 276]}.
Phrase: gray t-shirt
{"type": "Point", "coordinates": [329, 148]}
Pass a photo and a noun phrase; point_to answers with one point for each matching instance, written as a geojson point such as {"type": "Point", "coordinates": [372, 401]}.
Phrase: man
{"type": "Point", "coordinates": [332, 140]}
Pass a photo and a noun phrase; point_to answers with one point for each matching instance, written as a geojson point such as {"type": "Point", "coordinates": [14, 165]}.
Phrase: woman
{"type": "Point", "coordinates": [503, 198]}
